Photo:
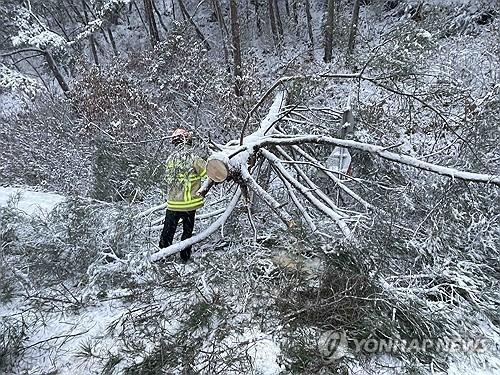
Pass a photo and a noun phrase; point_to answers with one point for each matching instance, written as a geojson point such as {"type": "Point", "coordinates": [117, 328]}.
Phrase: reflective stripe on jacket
{"type": "Point", "coordinates": [184, 175]}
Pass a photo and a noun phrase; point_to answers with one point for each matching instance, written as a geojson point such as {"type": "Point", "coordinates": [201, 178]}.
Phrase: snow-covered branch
{"type": "Point", "coordinates": [332, 176]}
{"type": "Point", "coordinates": [266, 197]}
{"type": "Point", "coordinates": [175, 248]}
{"type": "Point", "coordinates": [307, 193]}
{"type": "Point", "coordinates": [151, 210]}
{"type": "Point", "coordinates": [383, 153]}
{"type": "Point", "coordinates": [237, 158]}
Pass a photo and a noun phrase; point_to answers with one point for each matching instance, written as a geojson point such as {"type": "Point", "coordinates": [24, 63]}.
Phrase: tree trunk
{"type": "Point", "coordinates": [40, 76]}
{"type": "Point", "coordinates": [257, 16]}
{"type": "Point", "coordinates": [94, 50]}
{"type": "Point", "coordinates": [190, 20]}
{"type": "Point", "coordinates": [236, 46]}
{"type": "Point", "coordinates": [91, 38]}
{"type": "Point", "coordinates": [353, 27]}
{"type": "Point", "coordinates": [55, 70]}
{"type": "Point", "coordinates": [309, 24]}
{"type": "Point", "coordinates": [158, 14]}
{"type": "Point", "coordinates": [272, 19]}
{"type": "Point", "coordinates": [278, 19]}
{"type": "Point", "coordinates": [329, 31]}
{"type": "Point", "coordinates": [112, 41]}
{"type": "Point", "coordinates": [140, 16]}
{"type": "Point", "coordinates": [295, 16]}
{"type": "Point", "coordinates": [223, 29]}
{"type": "Point", "coordinates": [173, 9]}
{"type": "Point", "coordinates": [77, 11]}
{"type": "Point", "coordinates": [154, 37]}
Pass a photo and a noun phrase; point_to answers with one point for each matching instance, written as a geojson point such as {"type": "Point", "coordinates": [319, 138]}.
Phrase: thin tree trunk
{"type": "Point", "coordinates": [287, 8]}
{"type": "Point", "coordinates": [329, 31]}
{"type": "Point", "coordinates": [173, 9]}
{"type": "Point", "coordinates": [112, 41]}
{"type": "Point", "coordinates": [223, 29]}
{"type": "Point", "coordinates": [150, 17]}
{"type": "Point", "coordinates": [94, 49]}
{"type": "Point", "coordinates": [190, 20]}
{"type": "Point", "coordinates": [257, 16]}
{"type": "Point", "coordinates": [236, 46]}
{"type": "Point", "coordinates": [155, 8]}
{"type": "Point", "coordinates": [38, 74]}
{"type": "Point", "coordinates": [91, 37]}
{"type": "Point", "coordinates": [45, 53]}
{"type": "Point", "coordinates": [55, 70]}
{"type": "Point", "coordinates": [70, 17]}
{"type": "Point", "coordinates": [278, 18]}
{"type": "Point", "coordinates": [59, 24]}
{"type": "Point", "coordinates": [309, 24]}
{"type": "Point", "coordinates": [129, 12]}
{"type": "Point", "coordinates": [220, 17]}
{"type": "Point", "coordinates": [295, 16]}
{"type": "Point", "coordinates": [140, 16]}
{"type": "Point", "coordinates": [272, 19]}
{"type": "Point", "coordinates": [353, 27]}
{"type": "Point", "coordinates": [104, 35]}
{"type": "Point", "coordinates": [77, 12]}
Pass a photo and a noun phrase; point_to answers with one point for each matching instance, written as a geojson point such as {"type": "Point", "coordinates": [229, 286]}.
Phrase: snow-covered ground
{"type": "Point", "coordinates": [57, 341]}
{"type": "Point", "coordinates": [28, 201]}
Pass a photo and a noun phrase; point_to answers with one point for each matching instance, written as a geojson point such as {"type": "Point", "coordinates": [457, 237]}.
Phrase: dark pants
{"type": "Point", "coordinates": [170, 225]}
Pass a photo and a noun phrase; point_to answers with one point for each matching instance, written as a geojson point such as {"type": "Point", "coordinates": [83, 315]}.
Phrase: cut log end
{"type": "Point", "coordinates": [217, 170]}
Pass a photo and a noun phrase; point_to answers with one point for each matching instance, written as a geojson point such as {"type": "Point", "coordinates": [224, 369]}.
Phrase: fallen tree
{"type": "Point", "coordinates": [237, 161]}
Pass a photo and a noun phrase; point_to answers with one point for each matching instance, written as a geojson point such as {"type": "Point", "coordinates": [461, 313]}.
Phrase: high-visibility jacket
{"type": "Point", "coordinates": [184, 174]}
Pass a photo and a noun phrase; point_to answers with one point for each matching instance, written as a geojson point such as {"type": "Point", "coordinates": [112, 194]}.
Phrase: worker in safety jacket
{"type": "Point", "coordinates": [184, 172]}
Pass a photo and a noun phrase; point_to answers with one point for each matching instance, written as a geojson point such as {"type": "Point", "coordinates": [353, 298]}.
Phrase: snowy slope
{"type": "Point", "coordinates": [29, 202]}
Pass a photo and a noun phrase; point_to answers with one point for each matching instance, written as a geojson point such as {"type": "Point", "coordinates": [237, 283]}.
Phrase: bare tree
{"type": "Point", "coordinates": [329, 31]}
{"type": "Point", "coordinates": [272, 20]}
{"type": "Point", "coordinates": [353, 28]}
{"type": "Point", "coordinates": [278, 18]}
{"type": "Point", "coordinates": [189, 18]}
{"type": "Point", "coordinates": [222, 27]}
{"type": "Point", "coordinates": [309, 24]}
{"type": "Point", "coordinates": [154, 36]}
{"type": "Point", "coordinates": [256, 5]}
{"type": "Point", "coordinates": [53, 67]}
{"type": "Point", "coordinates": [236, 46]}
{"type": "Point", "coordinates": [91, 36]}
{"type": "Point", "coordinates": [112, 41]}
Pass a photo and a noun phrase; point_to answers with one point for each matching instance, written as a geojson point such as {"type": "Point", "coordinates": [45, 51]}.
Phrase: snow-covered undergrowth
{"type": "Point", "coordinates": [79, 295]}
{"type": "Point", "coordinates": [29, 202]}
